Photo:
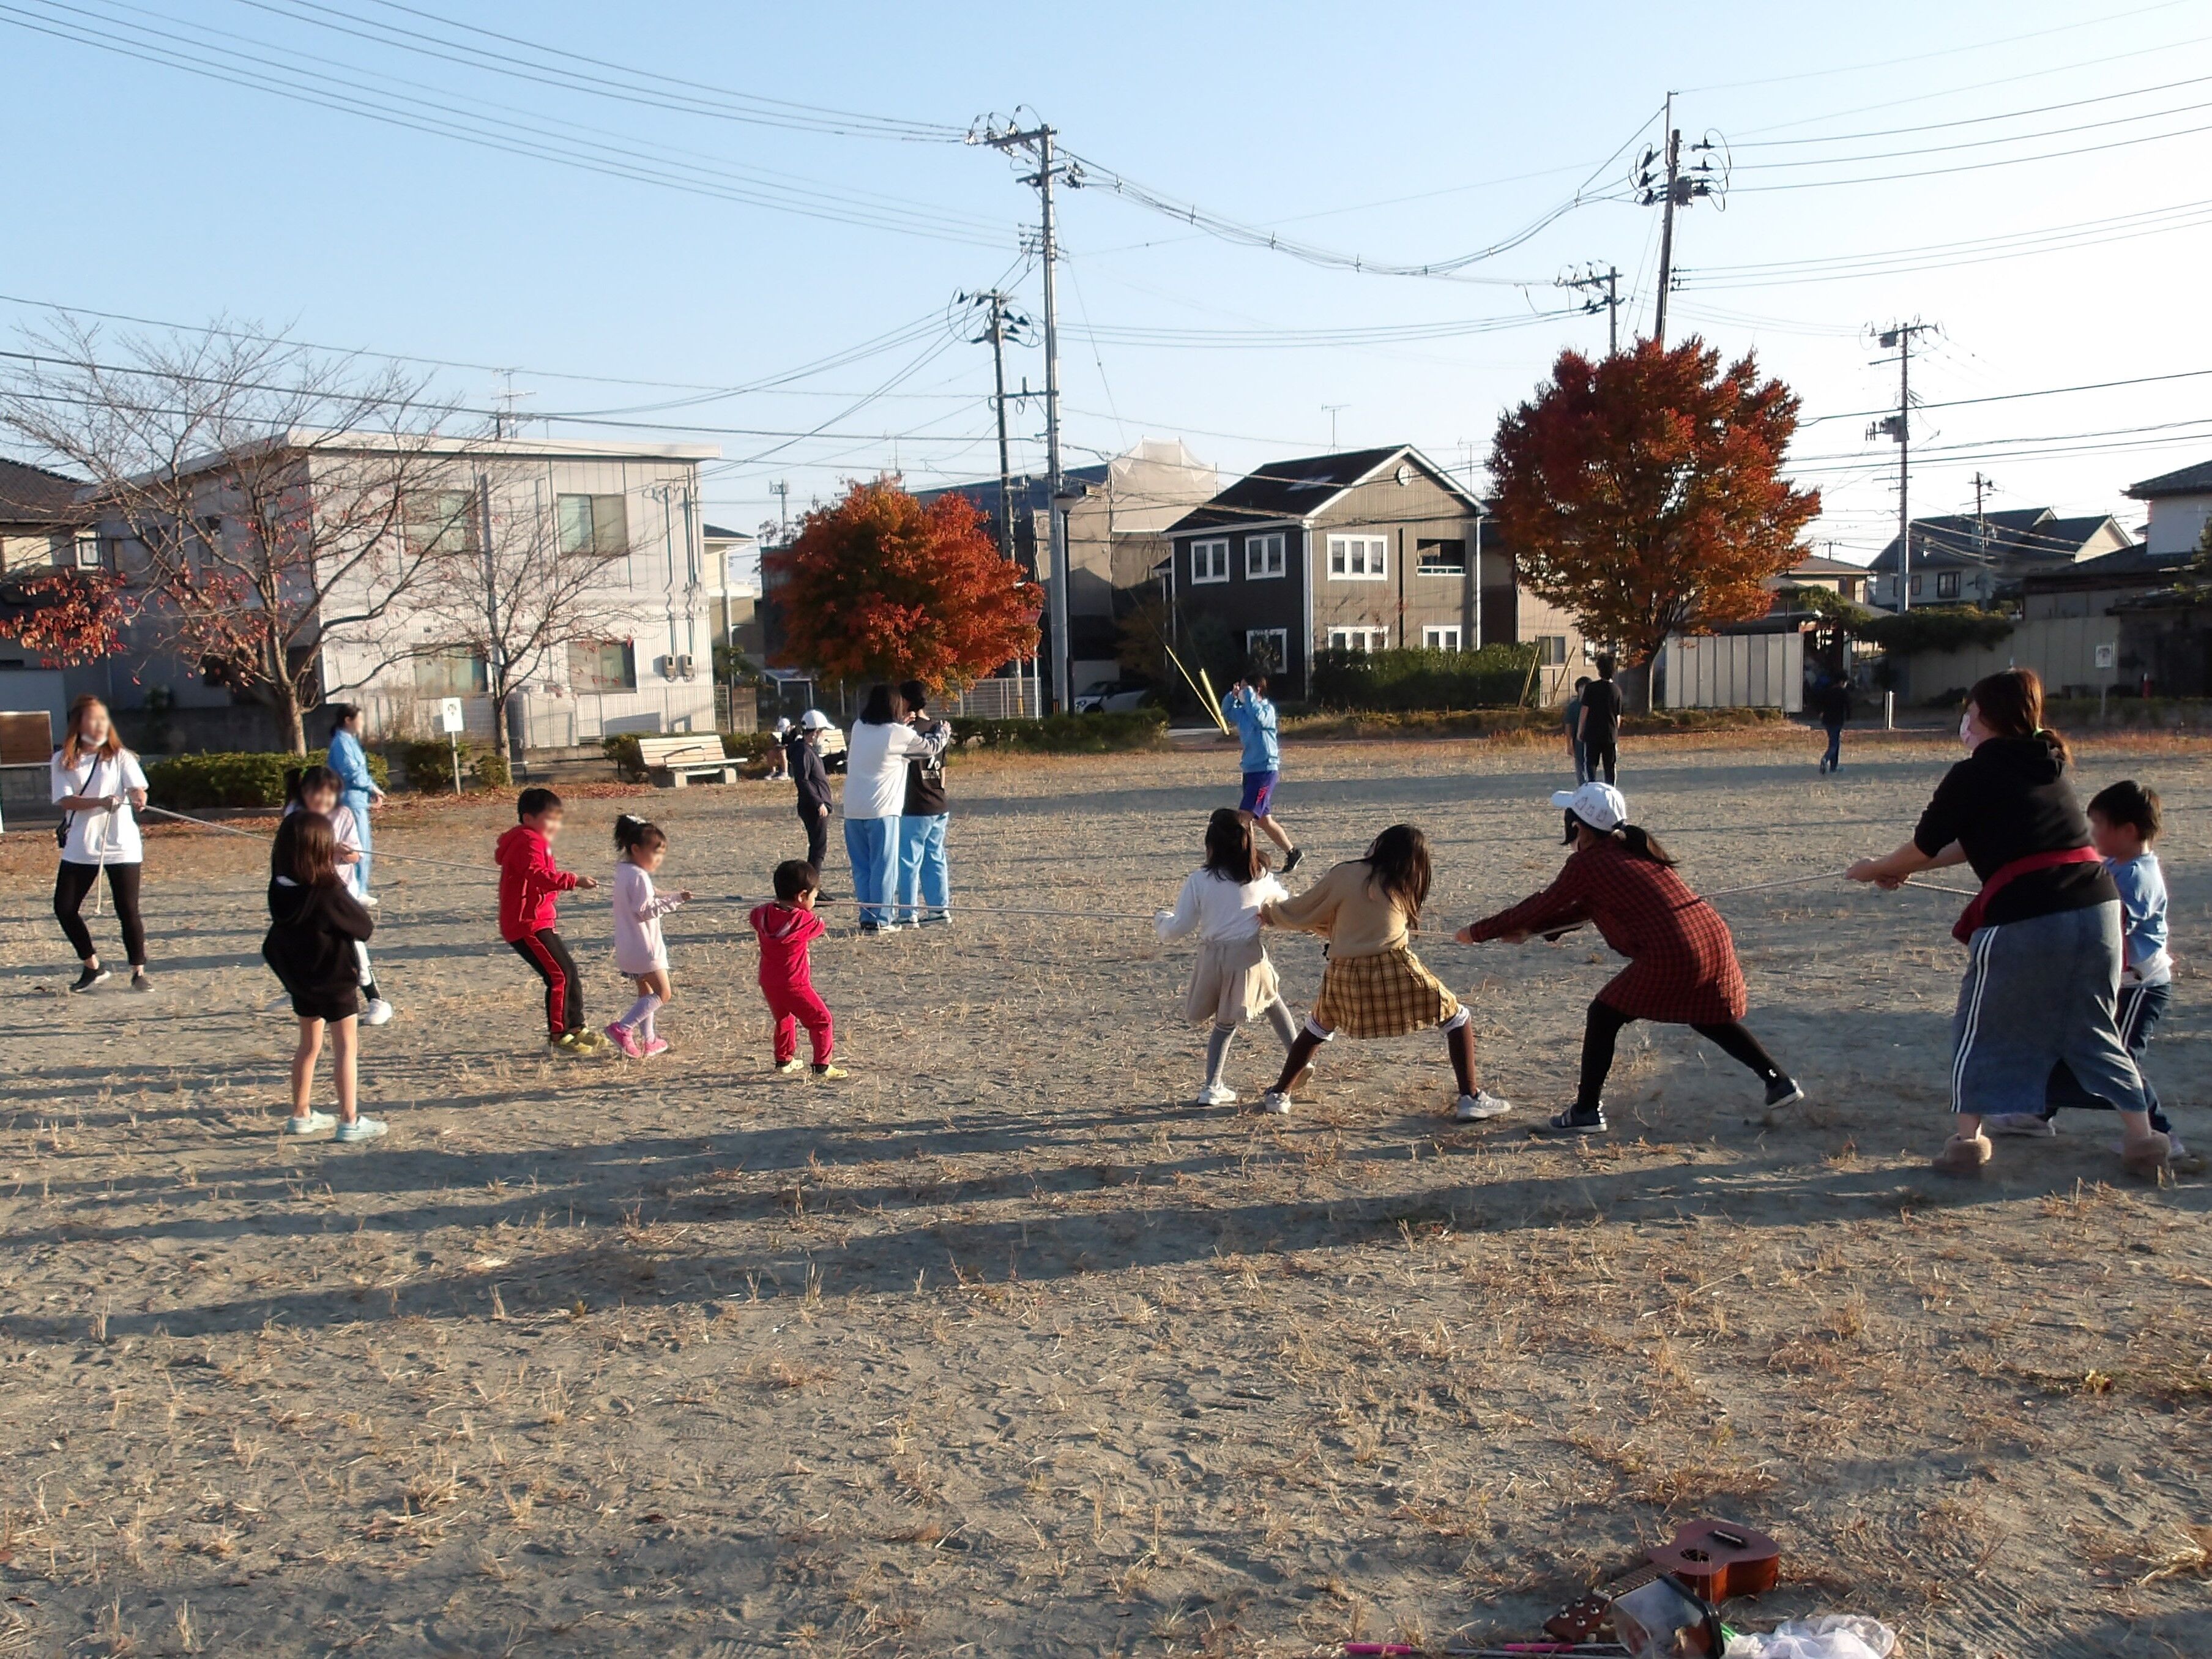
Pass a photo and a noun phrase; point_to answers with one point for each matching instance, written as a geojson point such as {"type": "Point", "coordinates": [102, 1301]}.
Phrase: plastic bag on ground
{"type": "Point", "coordinates": [1829, 1636]}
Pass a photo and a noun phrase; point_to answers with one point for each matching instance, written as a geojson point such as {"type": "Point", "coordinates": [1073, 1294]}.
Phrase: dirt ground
{"type": "Point", "coordinates": [1003, 1346]}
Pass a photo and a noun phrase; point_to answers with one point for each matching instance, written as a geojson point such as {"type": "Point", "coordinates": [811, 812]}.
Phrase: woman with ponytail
{"type": "Point", "coordinates": [1681, 962]}
{"type": "Point", "coordinates": [2042, 937]}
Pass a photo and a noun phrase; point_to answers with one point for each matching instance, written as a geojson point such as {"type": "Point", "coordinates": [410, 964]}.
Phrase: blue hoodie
{"type": "Point", "coordinates": [1254, 716]}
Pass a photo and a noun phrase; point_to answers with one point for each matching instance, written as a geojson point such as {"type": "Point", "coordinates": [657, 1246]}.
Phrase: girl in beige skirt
{"type": "Point", "coordinates": [1232, 981]}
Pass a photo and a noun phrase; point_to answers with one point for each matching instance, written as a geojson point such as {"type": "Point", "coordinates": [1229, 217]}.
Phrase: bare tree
{"type": "Point", "coordinates": [523, 577]}
{"type": "Point", "coordinates": [258, 492]}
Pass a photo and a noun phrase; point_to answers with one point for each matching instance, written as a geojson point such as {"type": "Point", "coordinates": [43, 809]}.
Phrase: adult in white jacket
{"type": "Point", "coordinates": [876, 758]}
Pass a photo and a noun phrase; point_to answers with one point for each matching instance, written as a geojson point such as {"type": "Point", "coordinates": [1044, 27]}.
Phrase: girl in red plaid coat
{"type": "Point", "coordinates": [1681, 962]}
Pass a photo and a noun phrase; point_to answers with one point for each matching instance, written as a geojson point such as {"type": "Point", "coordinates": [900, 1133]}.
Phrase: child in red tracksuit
{"type": "Point", "coordinates": [528, 883]}
{"type": "Point", "coordinates": [786, 928]}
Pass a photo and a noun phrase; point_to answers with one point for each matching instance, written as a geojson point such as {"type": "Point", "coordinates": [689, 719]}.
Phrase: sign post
{"type": "Point", "coordinates": [449, 722]}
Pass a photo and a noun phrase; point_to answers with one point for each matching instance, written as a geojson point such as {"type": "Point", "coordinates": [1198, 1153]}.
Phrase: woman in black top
{"type": "Point", "coordinates": [314, 926]}
{"type": "Point", "coordinates": [2043, 935]}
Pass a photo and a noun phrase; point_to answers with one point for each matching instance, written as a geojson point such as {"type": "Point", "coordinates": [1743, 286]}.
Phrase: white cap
{"type": "Point", "coordinates": [1599, 805]}
{"type": "Point", "coordinates": [814, 720]}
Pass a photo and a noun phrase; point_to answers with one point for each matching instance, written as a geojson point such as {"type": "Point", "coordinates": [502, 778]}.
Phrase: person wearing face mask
{"type": "Point", "coordinates": [2043, 935]}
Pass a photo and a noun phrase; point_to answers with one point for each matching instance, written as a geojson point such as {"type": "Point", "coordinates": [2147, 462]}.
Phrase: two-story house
{"type": "Point", "coordinates": [1368, 549]}
{"type": "Point", "coordinates": [1976, 558]}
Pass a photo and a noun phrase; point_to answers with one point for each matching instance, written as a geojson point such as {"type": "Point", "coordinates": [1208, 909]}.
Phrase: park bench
{"type": "Point", "coordinates": [683, 759]}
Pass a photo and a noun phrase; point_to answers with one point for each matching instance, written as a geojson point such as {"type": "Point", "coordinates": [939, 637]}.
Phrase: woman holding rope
{"type": "Point", "coordinates": [357, 791]}
{"type": "Point", "coordinates": [2043, 935]}
{"type": "Point", "coordinates": [98, 786]}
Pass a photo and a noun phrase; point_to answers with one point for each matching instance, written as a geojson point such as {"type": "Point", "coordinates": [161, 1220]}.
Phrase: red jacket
{"type": "Point", "coordinates": [528, 880]}
{"type": "Point", "coordinates": [1681, 968]}
{"type": "Point", "coordinates": [785, 932]}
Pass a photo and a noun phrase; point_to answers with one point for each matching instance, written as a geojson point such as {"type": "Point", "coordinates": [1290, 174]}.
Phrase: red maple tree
{"type": "Point", "coordinates": [1644, 492]}
{"type": "Point", "coordinates": [67, 616]}
{"type": "Point", "coordinates": [877, 585]}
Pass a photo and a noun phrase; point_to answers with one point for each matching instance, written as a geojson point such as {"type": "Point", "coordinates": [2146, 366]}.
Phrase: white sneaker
{"type": "Point", "coordinates": [314, 1123]}
{"type": "Point", "coordinates": [1480, 1105]}
{"type": "Point", "coordinates": [1217, 1094]}
{"type": "Point", "coordinates": [368, 901]}
{"type": "Point", "coordinates": [362, 1129]}
{"type": "Point", "coordinates": [2030, 1125]}
{"type": "Point", "coordinates": [1276, 1102]}
{"type": "Point", "coordinates": [378, 1012]}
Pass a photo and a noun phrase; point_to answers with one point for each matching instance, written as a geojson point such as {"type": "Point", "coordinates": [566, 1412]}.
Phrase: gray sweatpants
{"type": "Point", "coordinates": [2037, 993]}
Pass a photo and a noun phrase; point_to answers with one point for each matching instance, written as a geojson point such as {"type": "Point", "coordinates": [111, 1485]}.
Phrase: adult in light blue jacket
{"type": "Point", "coordinates": [1248, 709]}
{"type": "Point", "coordinates": [357, 790]}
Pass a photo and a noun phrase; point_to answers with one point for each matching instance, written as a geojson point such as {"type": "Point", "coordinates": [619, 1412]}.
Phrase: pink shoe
{"type": "Point", "coordinates": [658, 1046]}
{"type": "Point", "coordinates": [625, 1042]}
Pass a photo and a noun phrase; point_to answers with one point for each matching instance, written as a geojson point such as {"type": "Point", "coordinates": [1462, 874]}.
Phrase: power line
{"type": "Point", "coordinates": [1981, 143]}
{"type": "Point", "coordinates": [1981, 166]}
{"type": "Point", "coordinates": [2014, 397]}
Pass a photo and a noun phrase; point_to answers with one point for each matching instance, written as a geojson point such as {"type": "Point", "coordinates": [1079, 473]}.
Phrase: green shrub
{"type": "Point", "coordinates": [429, 764]}
{"type": "Point", "coordinates": [489, 767]}
{"type": "Point", "coordinates": [1940, 627]}
{"type": "Point", "coordinates": [1496, 676]}
{"type": "Point", "coordinates": [238, 780]}
{"type": "Point", "coordinates": [621, 749]}
{"type": "Point", "coordinates": [1065, 734]}
{"type": "Point", "coordinates": [747, 745]}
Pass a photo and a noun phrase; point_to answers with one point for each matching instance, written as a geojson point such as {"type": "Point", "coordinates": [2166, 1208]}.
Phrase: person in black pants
{"type": "Point", "coordinates": [814, 780]}
{"type": "Point", "coordinates": [1601, 724]}
{"type": "Point", "coordinates": [99, 788]}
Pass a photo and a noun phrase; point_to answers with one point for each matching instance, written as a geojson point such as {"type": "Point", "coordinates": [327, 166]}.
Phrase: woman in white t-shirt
{"type": "Point", "coordinates": [98, 785]}
{"type": "Point", "coordinates": [875, 798]}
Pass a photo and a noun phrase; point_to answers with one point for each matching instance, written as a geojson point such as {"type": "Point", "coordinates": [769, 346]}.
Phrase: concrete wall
{"type": "Point", "coordinates": [2063, 650]}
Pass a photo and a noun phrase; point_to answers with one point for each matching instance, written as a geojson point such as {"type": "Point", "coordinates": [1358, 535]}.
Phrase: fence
{"type": "Point", "coordinates": [994, 700]}
{"type": "Point", "coordinates": [737, 708]}
{"type": "Point", "coordinates": [1734, 670]}
{"type": "Point", "coordinates": [2070, 653]}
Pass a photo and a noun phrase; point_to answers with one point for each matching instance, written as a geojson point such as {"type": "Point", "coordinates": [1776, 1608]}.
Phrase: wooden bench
{"type": "Point", "coordinates": [683, 759]}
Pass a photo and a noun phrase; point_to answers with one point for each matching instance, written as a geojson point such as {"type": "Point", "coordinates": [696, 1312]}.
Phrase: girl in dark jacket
{"type": "Point", "coordinates": [314, 926]}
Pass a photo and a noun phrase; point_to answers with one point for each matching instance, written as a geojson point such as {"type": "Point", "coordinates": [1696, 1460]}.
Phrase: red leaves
{"type": "Point", "coordinates": [67, 617]}
{"type": "Point", "coordinates": [878, 587]}
{"type": "Point", "coordinates": [1643, 492]}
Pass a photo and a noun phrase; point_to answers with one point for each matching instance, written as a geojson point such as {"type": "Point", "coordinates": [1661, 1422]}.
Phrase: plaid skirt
{"type": "Point", "coordinates": [1387, 995]}
{"type": "Point", "coordinates": [1232, 982]}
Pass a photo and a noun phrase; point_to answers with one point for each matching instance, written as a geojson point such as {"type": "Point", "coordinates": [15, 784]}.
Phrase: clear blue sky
{"type": "Point", "coordinates": [1419, 133]}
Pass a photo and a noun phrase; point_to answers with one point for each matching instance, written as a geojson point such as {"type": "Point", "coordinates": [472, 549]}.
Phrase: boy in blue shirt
{"type": "Point", "coordinates": [2124, 819]}
{"type": "Point", "coordinates": [1247, 708]}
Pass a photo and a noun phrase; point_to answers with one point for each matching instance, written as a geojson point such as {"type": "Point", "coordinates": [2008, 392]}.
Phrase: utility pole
{"type": "Point", "coordinates": [781, 490]}
{"type": "Point", "coordinates": [1037, 141]}
{"type": "Point", "coordinates": [1677, 189]}
{"type": "Point", "coordinates": [1609, 280]}
{"type": "Point", "coordinates": [1981, 519]}
{"type": "Point", "coordinates": [1002, 325]}
{"type": "Point", "coordinates": [1898, 336]}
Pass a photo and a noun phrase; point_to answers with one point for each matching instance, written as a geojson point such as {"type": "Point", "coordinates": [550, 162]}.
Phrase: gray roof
{"type": "Point", "coordinates": [1961, 540]}
{"type": "Point", "coordinates": [2188, 481]}
{"type": "Point", "coordinates": [31, 495]}
{"type": "Point", "coordinates": [2129, 565]}
{"type": "Point", "coordinates": [1296, 488]}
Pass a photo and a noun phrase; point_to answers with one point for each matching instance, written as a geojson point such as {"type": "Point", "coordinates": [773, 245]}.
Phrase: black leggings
{"type": "Point", "coordinates": [1604, 1026]}
{"type": "Point", "coordinates": [816, 823]}
{"type": "Point", "coordinates": [564, 990]}
{"type": "Point", "coordinates": [72, 882]}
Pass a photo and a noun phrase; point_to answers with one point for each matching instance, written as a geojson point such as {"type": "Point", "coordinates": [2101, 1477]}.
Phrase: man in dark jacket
{"type": "Point", "coordinates": [1600, 724]}
{"type": "Point", "coordinates": [925, 881]}
{"type": "Point", "coordinates": [803, 751]}
{"type": "Point", "coordinates": [1834, 703]}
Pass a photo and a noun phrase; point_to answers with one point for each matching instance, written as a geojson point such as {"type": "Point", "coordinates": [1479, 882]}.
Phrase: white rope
{"type": "Point", "coordinates": [252, 835]}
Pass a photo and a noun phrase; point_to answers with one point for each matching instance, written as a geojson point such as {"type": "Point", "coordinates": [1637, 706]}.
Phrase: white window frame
{"type": "Point", "coordinates": [1366, 640]}
{"type": "Point", "coordinates": [1279, 637]}
{"type": "Point", "coordinates": [1266, 557]}
{"type": "Point", "coordinates": [1440, 636]}
{"type": "Point", "coordinates": [1214, 553]}
{"type": "Point", "coordinates": [1370, 553]}
{"type": "Point", "coordinates": [1423, 568]}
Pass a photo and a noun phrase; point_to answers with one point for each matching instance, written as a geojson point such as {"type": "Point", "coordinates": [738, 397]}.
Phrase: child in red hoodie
{"type": "Point", "coordinates": [528, 880]}
{"type": "Point", "coordinates": [786, 928]}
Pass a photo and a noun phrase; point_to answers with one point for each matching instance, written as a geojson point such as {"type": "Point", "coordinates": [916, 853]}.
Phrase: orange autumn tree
{"type": "Point", "coordinates": [1644, 492]}
{"type": "Point", "coordinates": [878, 587]}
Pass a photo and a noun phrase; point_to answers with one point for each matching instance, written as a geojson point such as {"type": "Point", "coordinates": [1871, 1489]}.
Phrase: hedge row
{"type": "Point", "coordinates": [1496, 676]}
{"type": "Point", "coordinates": [247, 780]}
{"type": "Point", "coordinates": [1065, 734]}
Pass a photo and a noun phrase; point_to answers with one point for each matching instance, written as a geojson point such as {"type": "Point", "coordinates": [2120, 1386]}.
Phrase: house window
{"type": "Point", "coordinates": [1946, 583]}
{"type": "Point", "coordinates": [1209, 561]}
{"type": "Point", "coordinates": [1442, 558]}
{"type": "Point", "coordinates": [1917, 580]}
{"type": "Point", "coordinates": [451, 673]}
{"type": "Point", "coordinates": [1551, 650]}
{"type": "Point", "coordinates": [602, 665]}
{"type": "Point", "coordinates": [1359, 638]}
{"type": "Point", "coordinates": [1263, 556]}
{"type": "Point", "coordinates": [594, 524]}
{"type": "Point", "coordinates": [1267, 647]}
{"type": "Point", "coordinates": [86, 551]}
{"type": "Point", "coordinates": [1358, 558]}
{"type": "Point", "coordinates": [1441, 639]}
{"type": "Point", "coordinates": [440, 521]}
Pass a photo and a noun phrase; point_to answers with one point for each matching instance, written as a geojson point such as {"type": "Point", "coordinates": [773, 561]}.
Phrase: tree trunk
{"type": "Point", "coordinates": [292, 725]}
{"type": "Point", "coordinates": [1635, 679]}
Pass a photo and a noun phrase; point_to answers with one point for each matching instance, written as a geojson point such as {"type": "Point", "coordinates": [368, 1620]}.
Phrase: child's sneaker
{"type": "Point", "coordinates": [1217, 1094]}
{"type": "Point", "coordinates": [829, 1073]}
{"type": "Point", "coordinates": [1479, 1107]}
{"type": "Point", "coordinates": [1276, 1102]}
{"type": "Point", "coordinates": [590, 1042]}
{"type": "Point", "coordinates": [378, 1011]}
{"type": "Point", "coordinates": [362, 1129]}
{"type": "Point", "coordinates": [1784, 1092]}
{"type": "Point", "coordinates": [791, 1067]}
{"type": "Point", "coordinates": [625, 1041]}
{"type": "Point", "coordinates": [313, 1123]}
{"type": "Point", "coordinates": [655, 1046]}
{"type": "Point", "coordinates": [1573, 1122]}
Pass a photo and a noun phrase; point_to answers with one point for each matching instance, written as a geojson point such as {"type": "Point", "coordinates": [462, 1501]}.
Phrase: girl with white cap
{"type": "Point", "coordinates": [1681, 962]}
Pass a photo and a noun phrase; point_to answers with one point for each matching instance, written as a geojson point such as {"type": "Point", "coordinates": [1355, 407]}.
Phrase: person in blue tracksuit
{"type": "Point", "coordinates": [1248, 709]}
{"type": "Point", "coordinates": [357, 790]}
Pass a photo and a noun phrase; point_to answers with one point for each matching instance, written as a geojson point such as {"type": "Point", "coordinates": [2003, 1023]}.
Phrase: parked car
{"type": "Point", "coordinates": [1112, 697]}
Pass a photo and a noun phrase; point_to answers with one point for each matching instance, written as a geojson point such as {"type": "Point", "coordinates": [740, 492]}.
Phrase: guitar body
{"type": "Point", "coordinates": [1720, 1559]}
